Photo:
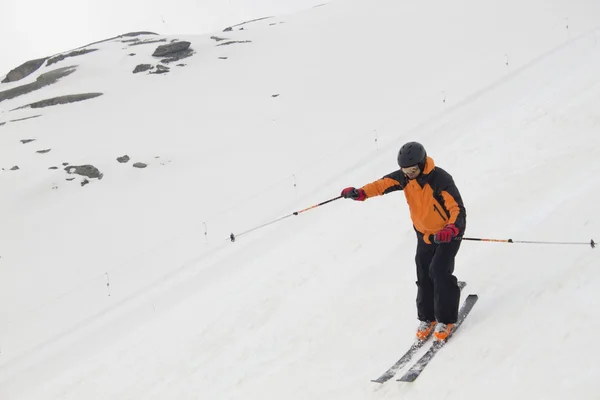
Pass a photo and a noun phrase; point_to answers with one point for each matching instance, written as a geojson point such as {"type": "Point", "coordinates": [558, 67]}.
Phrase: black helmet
{"type": "Point", "coordinates": [412, 153]}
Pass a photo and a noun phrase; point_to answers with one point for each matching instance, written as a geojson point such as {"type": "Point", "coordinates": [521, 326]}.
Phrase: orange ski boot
{"type": "Point", "coordinates": [442, 331]}
{"type": "Point", "coordinates": [425, 329]}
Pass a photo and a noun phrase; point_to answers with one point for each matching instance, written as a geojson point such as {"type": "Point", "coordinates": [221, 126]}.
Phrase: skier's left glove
{"type": "Point", "coordinates": [445, 235]}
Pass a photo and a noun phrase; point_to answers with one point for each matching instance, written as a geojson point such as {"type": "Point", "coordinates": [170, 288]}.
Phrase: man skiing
{"type": "Point", "coordinates": [438, 217]}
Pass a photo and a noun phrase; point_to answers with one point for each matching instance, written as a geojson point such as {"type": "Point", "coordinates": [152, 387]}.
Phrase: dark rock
{"type": "Point", "coordinates": [61, 100]}
{"type": "Point", "coordinates": [65, 164]}
{"type": "Point", "coordinates": [161, 69]}
{"type": "Point", "coordinates": [16, 167]}
{"type": "Point", "coordinates": [169, 49]}
{"type": "Point", "coordinates": [2, 123]}
{"type": "Point", "coordinates": [274, 95]}
{"type": "Point", "coordinates": [43, 80]}
{"type": "Point", "coordinates": [130, 40]}
{"type": "Point", "coordinates": [140, 165]}
{"type": "Point", "coordinates": [131, 54]}
{"type": "Point", "coordinates": [85, 170]}
{"type": "Point", "coordinates": [123, 159]}
{"type": "Point", "coordinates": [24, 70]}
{"type": "Point", "coordinates": [70, 179]}
{"type": "Point", "coordinates": [217, 39]}
{"type": "Point", "coordinates": [84, 182]}
{"type": "Point", "coordinates": [178, 56]}
{"type": "Point", "coordinates": [43, 151]}
{"type": "Point", "coordinates": [53, 168]}
{"type": "Point", "coordinates": [181, 65]}
{"type": "Point", "coordinates": [75, 53]}
{"type": "Point", "coordinates": [228, 29]}
{"type": "Point", "coordinates": [133, 34]}
{"type": "Point", "coordinates": [25, 141]}
{"type": "Point", "coordinates": [222, 58]}
{"type": "Point", "coordinates": [142, 68]}
{"type": "Point", "coordinates": [234, 41]}
{"type": "Point", "coordinates": [26, 118]}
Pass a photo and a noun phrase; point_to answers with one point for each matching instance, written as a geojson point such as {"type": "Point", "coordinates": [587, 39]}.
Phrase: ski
{"type": "Point", "coordinates": [414, 372]}
{"type": "Point", "coordinates": [405, 359]}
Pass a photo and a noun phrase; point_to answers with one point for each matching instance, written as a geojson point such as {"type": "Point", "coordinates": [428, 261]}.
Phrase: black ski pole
{"type": "Point", "coordinates": [590, 243]}
{"type": "Point", "coordinates": [232, 237]}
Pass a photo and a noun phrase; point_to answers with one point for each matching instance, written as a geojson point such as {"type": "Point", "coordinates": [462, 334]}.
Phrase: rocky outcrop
{"type": "Point", "coordinates": [142, 68]}
{"type": "Point", "coordinates": [25, 141]}
{"type": "Point", "coordinates": [84, 170]}
{"type": "Point", "coordinates": [26, 118]}
{"type": "Point", "coordinates": [61, 100]}
{"type": "Point", "coordinates": [75, 53]}
{"type": "Point", "coordinates": [140, 165]}
{"type": "Point", "coordinates": [24, 70]}
{"type": "Point", "coordinates": [43, 80]}
{"type": "Point", "coordinates": [43, 151]}
{"type": "Point", "coordinates": [178, 56]}
{"type": "Point", "coordinates": [124, 159]}
{"type": "Point", "coordinates": [233, 42]}
{"type": "Point", "coordinates": [170, 49]}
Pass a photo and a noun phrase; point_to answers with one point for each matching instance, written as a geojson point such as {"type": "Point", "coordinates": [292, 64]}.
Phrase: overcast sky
{"type": "Point", "coordinates": [38, 28]}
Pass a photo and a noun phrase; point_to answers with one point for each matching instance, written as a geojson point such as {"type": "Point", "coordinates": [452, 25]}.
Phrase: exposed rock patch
{"type": "Point", "coordinates": [178, 56]}
{"type": "Point", "coordinates": [26, 118]}
{"type": "Point", "coordinates": [16, 167]}
{"type": "Point", "coordinates": [218, 39]}
{"type": "Point", "coordinates": [43, 151]}
{"type": "Point", "coordinates": [45, 79]}
{"type": "Point", "coordinates": [87, 170]}
{"type": "Point", "coordinates": [75, 53]}
{"type": "Point", "coordinates": [142, 68]}
{"type": "Point", "coordinates": [175, 51]}
{"type": "Point", "coordinates": [123, 159]}
{"type": "Point", "coordinates": [24, 70]}
{"type": "Point", "coordinates": [233, 42]}
{"type": "Point", "coordinates": [140, 165]}
{"type": "Point", "coordinates": [61, 100]}
{"type": "Point", "coordinates": [25, 141]}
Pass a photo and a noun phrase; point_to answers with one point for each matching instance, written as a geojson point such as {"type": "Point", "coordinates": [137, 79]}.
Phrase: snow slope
{"type": "Point", "coordinates": [318, 304]}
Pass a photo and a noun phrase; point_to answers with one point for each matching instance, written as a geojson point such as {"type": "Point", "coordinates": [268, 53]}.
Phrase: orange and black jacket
{"type": "Point", "coordinates": [432, 197]}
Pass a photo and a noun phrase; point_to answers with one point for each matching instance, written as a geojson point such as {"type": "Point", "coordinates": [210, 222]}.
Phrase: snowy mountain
{"type": "Point", "coordinates": [121, 282]}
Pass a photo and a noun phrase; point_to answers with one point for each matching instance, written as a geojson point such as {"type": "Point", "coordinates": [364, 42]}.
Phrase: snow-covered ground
{"type": "Point", "coordinates": [129, 288]}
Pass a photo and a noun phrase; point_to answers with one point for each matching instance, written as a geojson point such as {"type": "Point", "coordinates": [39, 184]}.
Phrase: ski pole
{"type": "Point", "coordinates": [590, 243]}
{"type": "Point", "coordinates": [232, 237]}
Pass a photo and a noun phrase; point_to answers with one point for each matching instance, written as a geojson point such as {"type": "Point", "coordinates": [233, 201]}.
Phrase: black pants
{"type": "Point", "coordinates": [438, 294]}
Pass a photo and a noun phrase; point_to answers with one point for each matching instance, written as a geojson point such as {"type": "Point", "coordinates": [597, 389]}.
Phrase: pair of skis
{"type": "Point", "coordinates": [414, 372]}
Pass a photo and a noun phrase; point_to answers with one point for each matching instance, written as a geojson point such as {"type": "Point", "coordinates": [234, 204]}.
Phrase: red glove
{"type": "Point", "coordinates": [354, 194]}
{"type": "Point", "coordinates": [445, 235]}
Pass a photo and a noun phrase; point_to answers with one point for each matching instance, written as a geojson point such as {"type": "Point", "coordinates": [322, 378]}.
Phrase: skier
{"type": "Point", "coordinates": [438, 217]}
